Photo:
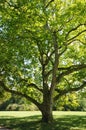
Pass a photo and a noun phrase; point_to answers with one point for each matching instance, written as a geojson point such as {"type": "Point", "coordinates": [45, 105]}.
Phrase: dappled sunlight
{"type": "Point", "coordinates": [42, 61]}
{"type": "Point", "coordinates": [63, 121]}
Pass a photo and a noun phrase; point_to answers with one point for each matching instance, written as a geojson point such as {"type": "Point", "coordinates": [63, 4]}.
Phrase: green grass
{"type": "Point", "coordinates": [23, 120]}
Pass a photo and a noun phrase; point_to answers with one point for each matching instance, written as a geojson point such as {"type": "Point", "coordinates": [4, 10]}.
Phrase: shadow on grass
{"type": "Point", "coordinates": [67, 122]}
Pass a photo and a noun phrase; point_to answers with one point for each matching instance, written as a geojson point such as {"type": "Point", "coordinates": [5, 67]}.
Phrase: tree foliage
{"type": "Point", "coordinates": [42, 49]}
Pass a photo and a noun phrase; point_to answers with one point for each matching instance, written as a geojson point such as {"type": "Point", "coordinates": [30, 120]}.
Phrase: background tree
{"type": "Point", "coordinates": [42, 50]}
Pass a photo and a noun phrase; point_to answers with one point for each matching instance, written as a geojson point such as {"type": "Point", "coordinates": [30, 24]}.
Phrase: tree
{"type": "Point", "coordinates": [42, 50]}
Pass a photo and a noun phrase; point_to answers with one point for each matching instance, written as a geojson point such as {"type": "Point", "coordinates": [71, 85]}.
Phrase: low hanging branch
{"type": "Point", "coordinates": [65, 91]}
{"type": "Point", "coordinates": [2, 84]}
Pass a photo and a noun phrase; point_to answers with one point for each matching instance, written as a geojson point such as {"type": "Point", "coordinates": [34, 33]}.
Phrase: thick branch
{"type": "Point", "coordinates": [56, 62]}
{"type": "Point", "coordinates": [2, 84]}
{"type": "Point", "coordinates": [63, 92]}
{"type": "Point", "coordinates": [73, 38]}
{"type": "Point", "coordinates": [76, 35]}
{"type": "Point", "coordinates": [35, 86]}
{"type": "Point", "coordinates": [32, 85]}
{"type": "Point", "coordinates": [69, 42]}
{"type": "Point", "coordinates": [73, 29]}
{"type": "Point", "coordinates": [70, 70]}
{"type": "Point", "coordinates": [73, 67]}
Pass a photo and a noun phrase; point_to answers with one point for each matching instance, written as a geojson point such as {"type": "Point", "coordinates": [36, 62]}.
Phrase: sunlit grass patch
{"type": "Point", "coordinates": [27, 120]}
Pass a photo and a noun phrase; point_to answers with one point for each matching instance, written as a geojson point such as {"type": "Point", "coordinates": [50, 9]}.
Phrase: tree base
{"type": "Point", "coordinates": [47, 118]}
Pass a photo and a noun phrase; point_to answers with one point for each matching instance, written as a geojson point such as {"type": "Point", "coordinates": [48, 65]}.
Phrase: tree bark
{"type": "Point", "coordinates": [47, 115]}
{"type": "Point", "coordinates": [46, 108]}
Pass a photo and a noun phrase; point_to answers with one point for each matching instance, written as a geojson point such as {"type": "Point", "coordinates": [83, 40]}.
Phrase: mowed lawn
{"type": "Point", "coordinates": [26, 120]}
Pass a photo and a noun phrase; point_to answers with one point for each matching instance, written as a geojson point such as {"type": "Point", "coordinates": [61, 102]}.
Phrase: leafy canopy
{"type": "Point", "coordinates": [28, 33]}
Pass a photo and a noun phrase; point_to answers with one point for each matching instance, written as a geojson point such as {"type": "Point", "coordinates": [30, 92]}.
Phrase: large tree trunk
{"type": "Point", "coordinates": [46, 109]}
{"type": "Point", "coordinates": [47, 116]}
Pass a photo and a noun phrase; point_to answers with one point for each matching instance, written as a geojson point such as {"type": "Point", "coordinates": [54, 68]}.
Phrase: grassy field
{"type": "Point", "coordinates": [25, 120]}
